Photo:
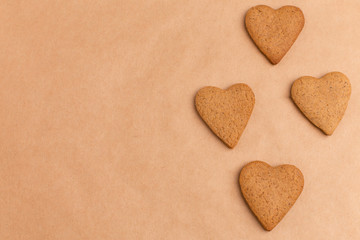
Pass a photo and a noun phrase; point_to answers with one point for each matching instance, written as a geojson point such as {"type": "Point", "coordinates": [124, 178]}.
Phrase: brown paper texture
{"type": "Point", "coordinates": [100, 138]}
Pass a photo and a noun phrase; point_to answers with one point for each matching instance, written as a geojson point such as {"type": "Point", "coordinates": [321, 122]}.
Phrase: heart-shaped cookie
{"type": "Point", "coordinates": [274, 31]}
{"type": "Point", "coordinates": [226, 112]}
{"type": "Point", "coordinates": [270, 192]}
{"type": "Point", "coordinates": [323, 101]}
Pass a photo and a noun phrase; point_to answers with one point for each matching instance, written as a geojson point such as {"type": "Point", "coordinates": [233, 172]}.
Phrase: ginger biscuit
{"type": "Point", "coordinates": [274, 31]}
{"type": "Point", "coordinates": [226, 112]}
{"type": "Point", "coordinates": [270, 192]}
{"type": "Point", "coordinates": [323, 101]}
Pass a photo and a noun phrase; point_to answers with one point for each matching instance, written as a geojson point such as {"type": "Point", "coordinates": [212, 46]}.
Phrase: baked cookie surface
{"type": "Point", "coordinates": [274, 31]}
{"type": "Point", "coordinates": [269, 191]}
{"type": "Point", "coordinates": [323, 101]}
{"type": "Point", "coordinates": [226, 112]}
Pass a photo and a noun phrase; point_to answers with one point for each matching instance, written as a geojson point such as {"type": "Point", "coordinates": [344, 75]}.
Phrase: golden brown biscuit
{"type": "Point", "coordinates": [226, 112]}
{"type": "Point", "coordinates": [274, 31]}
{"type": "Point", "coordinates": [323, 101]}
{"type": "Point", "coordinates": [270, 192]}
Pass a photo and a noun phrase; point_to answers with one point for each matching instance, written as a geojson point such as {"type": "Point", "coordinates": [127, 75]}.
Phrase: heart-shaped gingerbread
{"type": "Point", "coordinates": [274, 31]}
{"type": "Point", "coordinates": [226, 112]}
{"type": "Point", "coordinates": [323, 101]}
{"type": "Point", "coordinates": [270, 192]}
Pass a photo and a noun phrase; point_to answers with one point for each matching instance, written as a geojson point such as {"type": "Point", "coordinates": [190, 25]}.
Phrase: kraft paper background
{"type": "Point", "coordinates": [100, 139]}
